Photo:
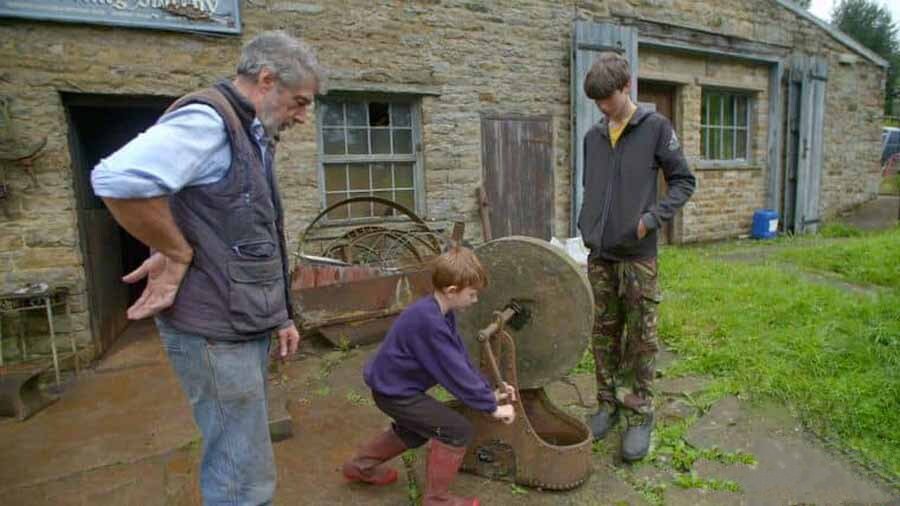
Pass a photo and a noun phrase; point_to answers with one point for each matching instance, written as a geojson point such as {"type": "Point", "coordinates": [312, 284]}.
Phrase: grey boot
{"type": "Point", "coordinates": [636, 441]}
{"type": "Point", "coordinates": [604, 419]}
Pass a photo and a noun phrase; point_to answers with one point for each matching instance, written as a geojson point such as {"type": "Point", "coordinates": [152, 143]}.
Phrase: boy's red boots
{"type": "Point", "coordinates": [366, 465]}
{"type": "Point", "coordinates": [441, 469]}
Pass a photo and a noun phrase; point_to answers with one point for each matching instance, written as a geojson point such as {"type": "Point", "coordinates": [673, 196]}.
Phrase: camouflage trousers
{"type": "Point", "coordinates": [626, 309]}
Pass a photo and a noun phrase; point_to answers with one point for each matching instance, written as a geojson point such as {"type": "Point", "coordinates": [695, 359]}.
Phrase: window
{"type": "Point", "coordinates": [724, 125]}
{"type": "Point", "coordinates": [368, 148]}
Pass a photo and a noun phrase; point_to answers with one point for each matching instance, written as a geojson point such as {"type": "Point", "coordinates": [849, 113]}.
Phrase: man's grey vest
{"type": "Point", "coordinates": [236, 287]}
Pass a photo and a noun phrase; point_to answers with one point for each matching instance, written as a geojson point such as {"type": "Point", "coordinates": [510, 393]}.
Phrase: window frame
{"type": "Point", "coordinates": [705, 127]}
{"type": "Point", "coordinates": [415, 158]}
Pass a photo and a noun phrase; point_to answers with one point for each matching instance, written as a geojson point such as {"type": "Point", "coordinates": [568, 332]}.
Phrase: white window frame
{"type": "Point", "coordinates": [735, 127]}
{"type": "Point", "coordinates": [415, 158]}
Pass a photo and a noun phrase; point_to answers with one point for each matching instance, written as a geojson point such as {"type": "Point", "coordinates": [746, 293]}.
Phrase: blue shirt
{"type": "Point", "coordinates": [186, 147]}
{"type": "Point", "coordinates": [423, 349]}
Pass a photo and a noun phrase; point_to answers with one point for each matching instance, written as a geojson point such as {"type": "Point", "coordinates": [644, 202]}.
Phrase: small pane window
{"type": "Point", "coordinates": [332, 114]}
{"type": "Point", "coordinates": [400, 115]}
{"type": "Point", "coordinates": [724, 125]}
{"type": "Point", "coordinates": [356, 115]}
{"type": "Point", "coordinates": [335, 177]}
{"type": "Point", "coordinates": [333, 141]}
{"type": "Point", "coordinates": [368, 148]}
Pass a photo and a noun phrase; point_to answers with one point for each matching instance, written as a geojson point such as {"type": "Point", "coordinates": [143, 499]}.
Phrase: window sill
{"type": "Point", "coordinates": [726, 165]}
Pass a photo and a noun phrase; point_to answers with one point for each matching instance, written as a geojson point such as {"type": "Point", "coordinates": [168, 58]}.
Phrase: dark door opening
{"type": "Point", "coordinates": [98, 126]}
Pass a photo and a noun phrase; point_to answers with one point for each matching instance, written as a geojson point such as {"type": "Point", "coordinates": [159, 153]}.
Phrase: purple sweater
{"type": "Point", "coordinates": [423, 349]}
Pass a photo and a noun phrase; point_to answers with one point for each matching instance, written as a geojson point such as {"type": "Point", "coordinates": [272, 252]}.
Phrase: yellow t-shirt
{"type": "Point", "coordinates": [615, 133]}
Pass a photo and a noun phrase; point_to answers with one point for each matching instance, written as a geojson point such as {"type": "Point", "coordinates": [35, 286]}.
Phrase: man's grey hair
{"type": "Point", "coordinates": [291, 60]}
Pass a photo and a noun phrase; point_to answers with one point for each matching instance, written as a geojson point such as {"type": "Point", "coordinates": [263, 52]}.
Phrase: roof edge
{"type": "Point", "coordinates": [834, 32]}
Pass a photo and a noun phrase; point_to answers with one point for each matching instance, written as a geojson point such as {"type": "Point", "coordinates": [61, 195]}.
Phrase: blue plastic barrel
{"type": "Point", "coordinates": [765, 224]}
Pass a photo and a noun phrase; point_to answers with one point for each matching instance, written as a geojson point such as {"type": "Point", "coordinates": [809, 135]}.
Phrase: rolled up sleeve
{"type": "Point", "coordinates": [187, 147]}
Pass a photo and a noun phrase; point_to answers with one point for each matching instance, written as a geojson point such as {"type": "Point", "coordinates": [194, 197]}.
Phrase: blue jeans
{"type": "Point", "coordinates": [226, 385]}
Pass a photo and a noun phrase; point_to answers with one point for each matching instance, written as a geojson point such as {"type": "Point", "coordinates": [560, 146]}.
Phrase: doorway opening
{"type": "Point", "coordinates": [98, 126]}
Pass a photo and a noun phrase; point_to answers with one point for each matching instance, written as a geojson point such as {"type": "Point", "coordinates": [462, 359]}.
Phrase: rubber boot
{"type": "Point", "coordinates": [366, 465]}
{"type": "Point", "coordinates": [604, 419]}
{"type": "Point", "coordinates": [636, 441]}
{"type": "Point", "coordinates": [441, 469]}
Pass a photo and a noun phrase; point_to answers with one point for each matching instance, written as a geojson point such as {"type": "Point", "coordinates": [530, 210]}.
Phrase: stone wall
{"type": "Point", "coordinates": [854, 91]}
{"type": "Point", "coordinates": [726, 197]}
{"type": "Point", "coordinates": [470, 58]}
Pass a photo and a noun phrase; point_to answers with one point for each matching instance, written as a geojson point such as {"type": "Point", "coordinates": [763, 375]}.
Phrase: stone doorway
{"type": "Point", "coordinates": [661, 98]}
{"type": "Point", "coordinates": [98, 126]}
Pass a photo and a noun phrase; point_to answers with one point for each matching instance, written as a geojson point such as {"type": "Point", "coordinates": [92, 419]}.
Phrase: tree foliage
{"type": "Point", "coordinates": [871, 25]}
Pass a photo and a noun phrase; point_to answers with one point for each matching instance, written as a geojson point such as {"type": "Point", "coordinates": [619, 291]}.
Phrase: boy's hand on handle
{"type": "Point", "coordinates": [505, 392]}
{"type": "Point", "coordinates": [505, 413]}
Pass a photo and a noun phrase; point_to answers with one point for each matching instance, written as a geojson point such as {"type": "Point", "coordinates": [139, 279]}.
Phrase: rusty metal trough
{"type": "Point", "coordinates": [351, 289]}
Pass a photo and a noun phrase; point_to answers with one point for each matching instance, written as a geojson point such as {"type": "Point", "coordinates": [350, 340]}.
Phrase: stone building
{"type": "Point", "coordinates": [428, 101]}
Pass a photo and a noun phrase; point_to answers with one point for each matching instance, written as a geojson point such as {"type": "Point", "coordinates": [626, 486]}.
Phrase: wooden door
{"type": "Point", "coordinates": [806, 110]}
{"type": "Point", "coordinates": [98, 126]}
{"type": "Point", "coordinates": [661, 98]}
{"type": "Point", "coordinates": [588, 40]}
{"type": "Point", "coordinates": [517, 158]}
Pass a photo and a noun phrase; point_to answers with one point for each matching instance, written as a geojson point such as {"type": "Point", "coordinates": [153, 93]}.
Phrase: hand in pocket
{"type": "Point", "coordinates": [641, 229]}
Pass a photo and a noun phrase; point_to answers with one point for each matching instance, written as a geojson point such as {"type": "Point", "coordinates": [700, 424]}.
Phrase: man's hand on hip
{"type": "Point", "coordinates": [288, 340]}
{"type": "Point", "coordinates": [164, 277]}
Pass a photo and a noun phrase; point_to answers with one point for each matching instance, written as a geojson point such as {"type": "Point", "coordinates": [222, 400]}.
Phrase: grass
{"type": "Point", "coordinates": [871, 259]}
{"type": "Point", "coordinates": [413, 491]}
{"type": "Point", "coordinates": [763, 332]}
{"type": "Point", "coordinates": [671, 450]}
{"type": "Point", "coordinates": [839, 230]}
{"type": "Point", "coordinates": [358, 399]}
{"type": "Point", "coordinates": [691, 480]}
{"type": "Point", "coordinates": [890, 185]}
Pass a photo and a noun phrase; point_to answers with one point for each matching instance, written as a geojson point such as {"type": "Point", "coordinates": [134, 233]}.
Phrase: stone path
{"type": "Point", "coordinates": [122, 435]}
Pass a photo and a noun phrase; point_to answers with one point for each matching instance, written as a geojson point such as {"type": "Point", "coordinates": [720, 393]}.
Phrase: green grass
{"type": "Point", "coordinates": [838, 230]}
{"type": "Point", "coordinates": [691, 480]}
{"type": "Point", "coordinates": [671, 451]}
{"type": "Point", "coordinates": [872, 259]}
{"type": "Point", "coordinates": [413, 491]}
{"type": "Point", "coordinates": [763, 332]}
{"type": "Point", "coordinates": [890, 185]}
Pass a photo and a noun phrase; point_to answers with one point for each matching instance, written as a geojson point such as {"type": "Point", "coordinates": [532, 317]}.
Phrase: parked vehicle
{"type": "Point", "coordinates": [890, 143]}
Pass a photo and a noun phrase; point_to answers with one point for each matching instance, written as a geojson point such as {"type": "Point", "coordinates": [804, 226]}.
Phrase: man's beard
{"type": "Point", "coordinates": [267, 115]}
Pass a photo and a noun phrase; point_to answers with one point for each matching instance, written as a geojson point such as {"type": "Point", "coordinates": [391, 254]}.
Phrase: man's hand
{"type": "Point", "coordinates": [164, 277]}
{"type": "Point", "coordinates": [288, 340]}
{"type": "Point", "coordinates": [505, 392]}
{"type": "Point", "coordinates": [641, 229]}
{"type": "Point", "coordinates": [505, 413]}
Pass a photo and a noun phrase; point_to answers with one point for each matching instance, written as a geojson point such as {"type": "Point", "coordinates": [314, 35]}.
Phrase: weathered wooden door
{"type": "Point", "coordinates": [517, 158]}
{"type": "Point", "coordinates": [588, 40]}
{"type": "Point", "coordinates": [98, 126]}
{"type": "Point", "coordinates": [806, 111]}
{"type": "Point", "coordinates": [99, 236]}
{"type": "Point", "coordinates": [661, 98]}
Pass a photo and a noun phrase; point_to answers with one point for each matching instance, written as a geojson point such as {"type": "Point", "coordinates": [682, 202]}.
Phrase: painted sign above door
{"type": "Point", "coordinates": [219, 16]}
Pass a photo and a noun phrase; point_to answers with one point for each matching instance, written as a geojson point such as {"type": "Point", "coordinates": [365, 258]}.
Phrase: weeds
{"type": "Point", "coordinates": [413, 492]}
{"type": "Point", "coordinates": [691, 480]}
{"type": "Point", "coordinates": [358, 399]}
{"type": "Point", "coordinates": [763, 332]}
{"type": "Point", "coordinates": [872, 259]}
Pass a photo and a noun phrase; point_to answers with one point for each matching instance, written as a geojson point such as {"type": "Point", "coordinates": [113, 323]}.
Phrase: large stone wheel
{"type": "Point", "coordinates": [556, 292]}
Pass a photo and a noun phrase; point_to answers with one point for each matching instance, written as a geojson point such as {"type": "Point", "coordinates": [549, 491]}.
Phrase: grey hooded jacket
{"type": "Point", "coordinates": [620, 186]}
